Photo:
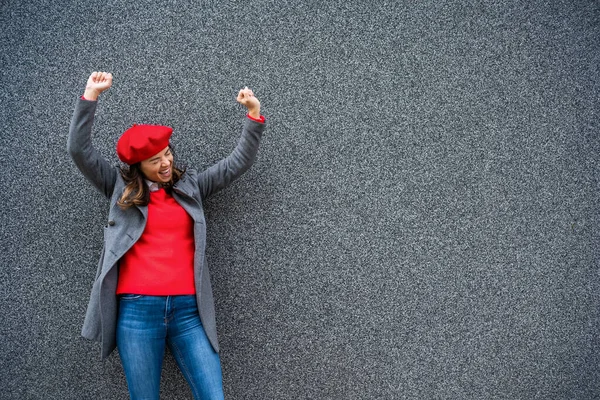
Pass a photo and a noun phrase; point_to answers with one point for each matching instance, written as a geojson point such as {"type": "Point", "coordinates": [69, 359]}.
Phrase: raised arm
{"type": "Point", "coordinates": [220, 175]}
{"type": "Point", "coordinates": [91, 164]}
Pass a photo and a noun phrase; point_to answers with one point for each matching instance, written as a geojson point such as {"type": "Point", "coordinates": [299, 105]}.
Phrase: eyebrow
{"type": "Point", "coordinates": [158, 157]}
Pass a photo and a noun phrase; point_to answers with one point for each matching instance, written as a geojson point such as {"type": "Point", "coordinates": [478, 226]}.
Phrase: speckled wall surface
{"type": "Point", "coordinates": [421, 222]}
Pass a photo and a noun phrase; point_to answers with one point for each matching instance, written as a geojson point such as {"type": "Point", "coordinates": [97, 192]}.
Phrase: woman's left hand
{"type": "Point", "coordinates": [246, 98]}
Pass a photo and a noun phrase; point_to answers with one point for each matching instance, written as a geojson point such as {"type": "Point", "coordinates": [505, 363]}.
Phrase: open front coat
{"type": "Point", "coordinates": [124, 227]}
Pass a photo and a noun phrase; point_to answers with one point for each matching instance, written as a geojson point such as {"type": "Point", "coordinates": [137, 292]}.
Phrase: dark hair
{"type": "Point", "coordinates": [136, 191]}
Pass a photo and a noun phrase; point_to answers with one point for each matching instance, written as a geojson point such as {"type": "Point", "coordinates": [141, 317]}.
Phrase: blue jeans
{"type": "Point", "coordinates": [145, 325]}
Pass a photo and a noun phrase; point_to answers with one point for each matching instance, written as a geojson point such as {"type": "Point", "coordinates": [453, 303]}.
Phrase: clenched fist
{"type": "Point", "coordinates": [97, 83]}
{"type": "Point", "coordinates": [246, 98]}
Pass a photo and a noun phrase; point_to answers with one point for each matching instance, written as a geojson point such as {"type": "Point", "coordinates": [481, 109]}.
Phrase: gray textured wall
{"type": "Point", "coordinates": [421, 223]}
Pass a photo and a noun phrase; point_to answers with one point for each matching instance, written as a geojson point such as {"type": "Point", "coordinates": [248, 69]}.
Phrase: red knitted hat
{"type": "Point", "coordinates": [141, 142]}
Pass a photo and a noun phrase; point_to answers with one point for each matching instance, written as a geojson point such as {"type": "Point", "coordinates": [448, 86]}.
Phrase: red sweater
{"type": "Point", "coordinates": [161, 262]}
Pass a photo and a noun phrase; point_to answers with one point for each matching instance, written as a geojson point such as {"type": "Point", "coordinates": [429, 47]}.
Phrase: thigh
{"type": "Point", "coordinates": [141, 338]}
{"type": "Point", "coordinates": [199, 363]}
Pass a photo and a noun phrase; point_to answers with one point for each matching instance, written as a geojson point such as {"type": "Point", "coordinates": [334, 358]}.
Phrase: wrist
{"type": "Point", "coordinates": [254, 112]}
{"type": "Point", "coordinates": [91, 94]}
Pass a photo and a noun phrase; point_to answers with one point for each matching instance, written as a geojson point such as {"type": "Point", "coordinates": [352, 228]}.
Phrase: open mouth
{"type": "Point", "coordinates": [166, 174]}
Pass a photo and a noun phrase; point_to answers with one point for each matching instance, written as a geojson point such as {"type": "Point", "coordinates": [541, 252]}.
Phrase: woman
{"type": "Point", "coordinates": [152, 287]}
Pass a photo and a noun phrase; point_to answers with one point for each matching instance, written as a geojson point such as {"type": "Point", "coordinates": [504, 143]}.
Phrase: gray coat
{"type": "Point", "coordinates": [124, 227]}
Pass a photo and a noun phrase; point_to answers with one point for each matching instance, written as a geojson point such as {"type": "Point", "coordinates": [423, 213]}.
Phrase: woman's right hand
{"type": "Point", "coordinates": [97, 83]}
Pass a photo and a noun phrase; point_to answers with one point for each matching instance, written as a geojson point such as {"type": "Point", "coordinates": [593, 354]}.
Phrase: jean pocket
{"type": "Point", "coordinates": [130, 296]}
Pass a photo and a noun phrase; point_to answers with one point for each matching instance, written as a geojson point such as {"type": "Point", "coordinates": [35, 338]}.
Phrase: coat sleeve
{"type": "Point", "coordinates": [220, 175]}
{"type": "Point", "coordinates": [79, 145]}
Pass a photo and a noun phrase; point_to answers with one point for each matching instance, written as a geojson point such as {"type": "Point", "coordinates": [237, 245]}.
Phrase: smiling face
{"type": "Point", "coordinates": [159, 167]}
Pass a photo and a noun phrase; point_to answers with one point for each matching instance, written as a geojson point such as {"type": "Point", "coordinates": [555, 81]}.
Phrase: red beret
{"type": "Point", "coordinates": [141, 142]}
